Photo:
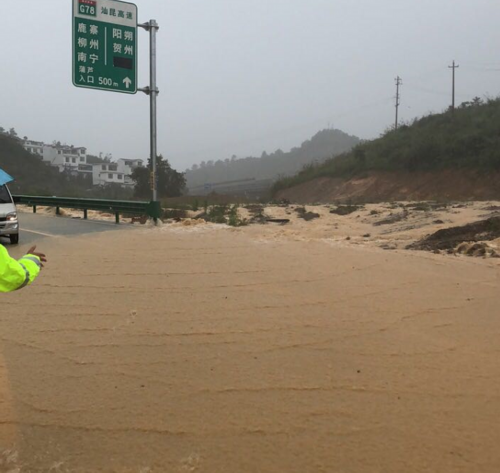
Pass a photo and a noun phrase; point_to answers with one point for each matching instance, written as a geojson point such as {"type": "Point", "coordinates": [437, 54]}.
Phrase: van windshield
{"type": "Point", "coordinates": [4, 195]}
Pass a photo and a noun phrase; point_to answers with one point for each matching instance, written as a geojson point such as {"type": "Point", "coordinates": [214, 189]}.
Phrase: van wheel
{"type": "Point", "coordinates": [14, 239]}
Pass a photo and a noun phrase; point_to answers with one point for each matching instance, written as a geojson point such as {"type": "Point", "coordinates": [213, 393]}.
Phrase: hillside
{"type": "Point", "coordinates": [447, 155]}
{"type": "Point", "coordinates": [31, 175]}
{"type": "Point", "coordinates": [323, 145]}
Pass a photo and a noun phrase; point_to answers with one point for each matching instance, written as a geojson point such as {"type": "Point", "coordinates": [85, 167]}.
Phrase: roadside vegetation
{"type": "Point", "coordinates": [213, 213]}
{"type": "Point", "coordinates": [468, 138]}
{"type": "Point", "coordinates": [200, 203]}
{"type": "Point", "coordinates": [227, 214]}
{"type": "Point", "coordinates": [170, 183]}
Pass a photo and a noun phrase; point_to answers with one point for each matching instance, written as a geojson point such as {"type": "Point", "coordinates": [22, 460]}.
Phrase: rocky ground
{"type": "Point", "coordinates": [469, 228]}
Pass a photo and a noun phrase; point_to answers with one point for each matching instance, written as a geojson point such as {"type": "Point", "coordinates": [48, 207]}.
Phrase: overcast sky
{"type": "Point", "coordinates": [240, 77]}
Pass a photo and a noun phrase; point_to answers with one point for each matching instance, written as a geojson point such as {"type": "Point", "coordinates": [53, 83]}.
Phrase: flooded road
{"type": "Point", "coordinates": [209, 350]}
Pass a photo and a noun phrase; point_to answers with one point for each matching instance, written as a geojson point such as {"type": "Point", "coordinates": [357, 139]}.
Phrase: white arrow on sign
{"type": "Point", "coordinates": [127, 82]}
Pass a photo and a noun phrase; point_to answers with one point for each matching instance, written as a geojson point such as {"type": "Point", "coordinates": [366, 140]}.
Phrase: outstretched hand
{"type": "Point", "coordinates": [42, 256]}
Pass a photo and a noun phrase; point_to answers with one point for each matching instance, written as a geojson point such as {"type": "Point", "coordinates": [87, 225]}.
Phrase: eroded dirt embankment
{"type": "Point", "coordinates": [384, 186]}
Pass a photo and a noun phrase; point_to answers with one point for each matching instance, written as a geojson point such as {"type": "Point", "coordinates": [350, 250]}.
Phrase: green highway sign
{"type": "Point", "coordinates": [105, 45]}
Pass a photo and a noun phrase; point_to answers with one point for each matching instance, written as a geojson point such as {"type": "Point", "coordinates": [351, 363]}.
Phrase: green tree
{"type": "Point", "coordinates": [477, 101]}
{"type": "Point", "coordinates": [170, 183]}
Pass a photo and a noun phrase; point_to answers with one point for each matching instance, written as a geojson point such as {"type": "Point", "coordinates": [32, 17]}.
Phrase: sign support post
{"type": "Point", "coordinates": [105, 58]}
{"type": "Point", "coordinates": [152, 27]}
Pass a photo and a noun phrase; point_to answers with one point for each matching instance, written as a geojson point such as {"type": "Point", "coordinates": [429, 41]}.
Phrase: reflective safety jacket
{"type": "Point", "coordinates": [16, 274]}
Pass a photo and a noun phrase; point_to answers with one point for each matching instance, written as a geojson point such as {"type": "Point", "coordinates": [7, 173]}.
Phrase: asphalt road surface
{"type": "Point", "coordinates": [35, 228]}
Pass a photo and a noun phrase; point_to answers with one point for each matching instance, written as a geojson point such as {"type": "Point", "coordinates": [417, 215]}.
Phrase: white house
{"type": "Point", "coordinates": [107, 173]}
{"type": "Point", "coordinates": [127, 166]}
{"type": "Point", "coordinates": [69, 158]}
{"type": "Point", "coordinates": [86, 169]}
{"type": "Point", "coordinates": [35, 147]}
{"type": "Point", "coordinates": [74, 160]}
{"type": "Point", "coordinates": [66, 158]}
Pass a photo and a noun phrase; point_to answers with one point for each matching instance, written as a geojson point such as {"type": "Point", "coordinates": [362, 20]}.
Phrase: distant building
{"type": "Point", "coordinates": [69, 159]}
{"type": "Point", "coordinates": [66, 158]}
{"type": "Point", "coordinates": [86, 169]}
{"type": "Point", "coordinates": [107, 173]}
{"type": "Point", "coordinates": [35, 147]}
{"type": "Point", "coordinates": [73, 160]}
{"type": "Point", "coordinates": [127, 166]}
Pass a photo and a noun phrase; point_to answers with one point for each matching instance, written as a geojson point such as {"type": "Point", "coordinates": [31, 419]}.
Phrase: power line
{"type": "Point", "coordinates": [484, 65]}
{"type": "Point", "coordinates": [434, 92]}
{"type": "Point", "coordinates": [424, 75]}
{"type": "Point", "coordinates": [428, 91]}
{"type": "Point", "coordinates": [484, 69]}
{"type": "Point", "coordinates": [293, 128]}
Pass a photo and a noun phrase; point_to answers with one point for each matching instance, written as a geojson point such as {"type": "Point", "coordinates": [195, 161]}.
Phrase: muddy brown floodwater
{"type": "Point", "coordinates": [209, 349]}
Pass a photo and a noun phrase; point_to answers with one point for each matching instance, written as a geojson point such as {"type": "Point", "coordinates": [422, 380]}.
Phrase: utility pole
{"type": "Point", "coordinates": [399, 82]}
{"type": "Point", "coordinates": [453, 67]}
{"type": "Point", "coordinates": [152, 90]}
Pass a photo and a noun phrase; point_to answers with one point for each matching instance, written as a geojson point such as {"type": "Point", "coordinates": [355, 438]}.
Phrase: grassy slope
{"type": "Point", "coordinates": [468, 139]}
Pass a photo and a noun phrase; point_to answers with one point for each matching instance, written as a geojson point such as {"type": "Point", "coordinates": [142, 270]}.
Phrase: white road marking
{"type": "Point", "coordinates": [40, 233]}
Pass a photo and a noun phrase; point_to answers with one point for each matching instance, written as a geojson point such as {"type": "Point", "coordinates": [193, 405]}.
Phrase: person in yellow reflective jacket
{"type": "Point", "coordinates": [16, 274]}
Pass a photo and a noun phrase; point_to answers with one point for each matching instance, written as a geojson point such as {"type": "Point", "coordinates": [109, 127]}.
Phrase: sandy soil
{"type": "Point", "coordinates": [204, 348]}
{"type": "Point", "coordinates": [369, 226]}
{"type": "Point", "coordinates": [377, 186]}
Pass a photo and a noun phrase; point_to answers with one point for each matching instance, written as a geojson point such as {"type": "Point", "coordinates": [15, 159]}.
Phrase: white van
{"type": "Point", "coordinates": [9, 225]}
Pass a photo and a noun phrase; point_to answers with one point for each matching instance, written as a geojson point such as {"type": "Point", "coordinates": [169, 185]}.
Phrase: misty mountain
{"type": "Point", "coordinates": [322, 146]}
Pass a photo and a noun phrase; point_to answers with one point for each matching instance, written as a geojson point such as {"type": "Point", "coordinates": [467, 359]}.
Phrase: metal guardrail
{"type": "Point", "coordinates": [151, 209]}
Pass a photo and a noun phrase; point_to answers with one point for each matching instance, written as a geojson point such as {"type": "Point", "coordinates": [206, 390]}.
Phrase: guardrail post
{"type": "Point", "coordinates": [117, 217]}
{"type": "Point", "coordinates": [58, 211]}
{"type": "Point", "coordinates": [85, 214]}
{"type": "Point", "coordinates": [34, 209]}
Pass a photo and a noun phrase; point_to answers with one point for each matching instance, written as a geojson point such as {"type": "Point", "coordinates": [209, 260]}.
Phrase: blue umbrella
{"type": "Point", "coordinates": [4, 178]}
